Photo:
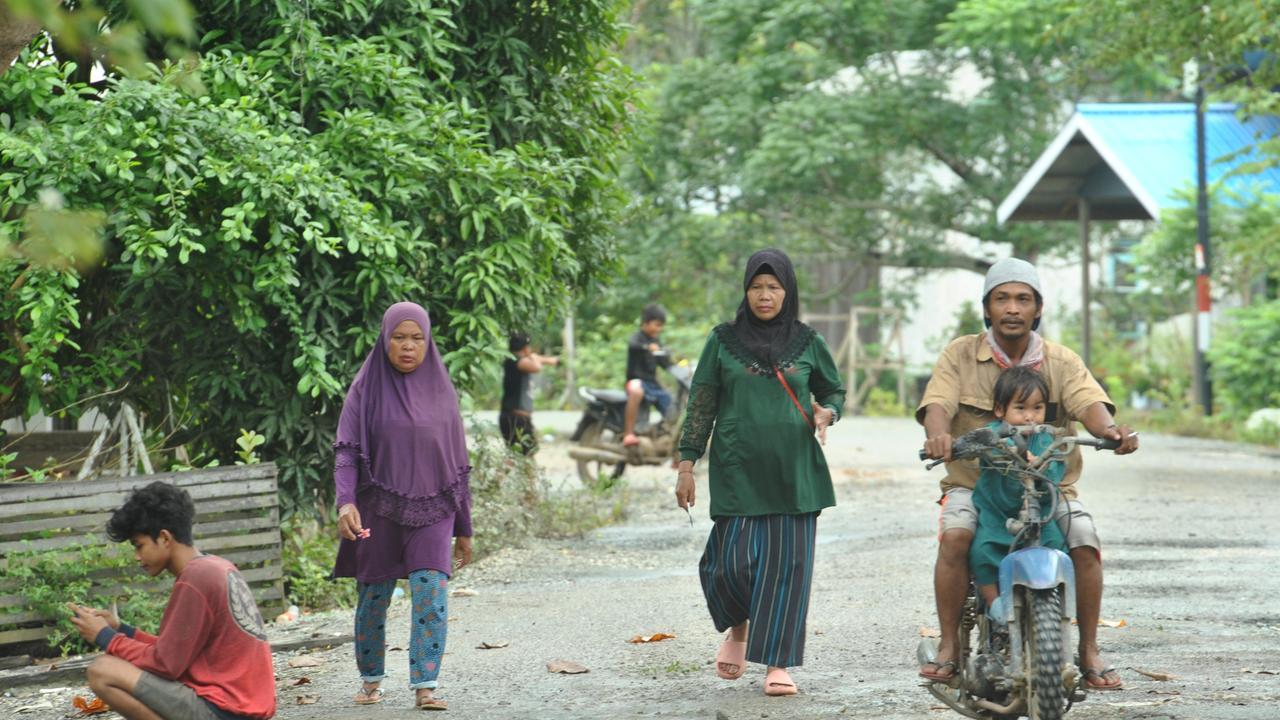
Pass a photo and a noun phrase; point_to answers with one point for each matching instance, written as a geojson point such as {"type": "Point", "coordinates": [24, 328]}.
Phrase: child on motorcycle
{"type": "Point", "coordinates": [1019, 399]}
{"type": "Point", "coordinates": [645, 355]}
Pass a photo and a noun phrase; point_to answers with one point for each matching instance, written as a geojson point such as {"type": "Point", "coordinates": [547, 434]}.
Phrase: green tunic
{"type": "Point", "coordinates": [765, 459]}
{"type": "Point", "coordinates": [998, 497]}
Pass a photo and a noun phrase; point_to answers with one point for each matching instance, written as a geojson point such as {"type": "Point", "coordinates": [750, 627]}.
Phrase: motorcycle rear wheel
{"type": "Point", "coordinates": [1044, 655]}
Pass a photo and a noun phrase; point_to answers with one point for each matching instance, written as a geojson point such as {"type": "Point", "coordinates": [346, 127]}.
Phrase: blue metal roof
{"type": "Point", "coordinates": [1130, 159]}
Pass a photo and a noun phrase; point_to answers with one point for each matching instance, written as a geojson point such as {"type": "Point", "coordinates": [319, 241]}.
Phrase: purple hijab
{"type": "Point", "coordinates": [407, 430]}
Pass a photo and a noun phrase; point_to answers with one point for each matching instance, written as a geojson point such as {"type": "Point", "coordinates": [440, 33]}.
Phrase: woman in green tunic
{"type": "Point", "coordinates": [756, 385]}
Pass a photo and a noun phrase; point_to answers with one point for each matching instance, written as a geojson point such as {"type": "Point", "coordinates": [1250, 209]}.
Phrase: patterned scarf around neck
{"type": "Point", "coordinates": [1032, 358]}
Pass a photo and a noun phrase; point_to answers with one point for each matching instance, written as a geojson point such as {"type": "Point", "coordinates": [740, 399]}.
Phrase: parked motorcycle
{"type": "Point", "coordinates": [1020, 664]}
{"type": "Point", "coordinates": [598, 447]}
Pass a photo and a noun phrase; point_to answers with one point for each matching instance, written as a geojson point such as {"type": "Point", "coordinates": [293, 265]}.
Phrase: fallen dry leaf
{"type": "Point", "coordinates": [492, 645]}
{"type": "Point", "coordinates": [301, 681]}
{"type": "Point", "coordinates": [565, 667]}
{"type": "Point", "coordinates": [463, 592]}
{"type": "Point", "coordinates": [305, 661]}
{"type": "Point", "coordinates": [1258, 672]}
{"type": "Point", "coordinates": [656, 637]}
{"type": "Point", "coordinates": [1162, 677]}
{"type": "Point", "coordinates": [930, 632]}
{"type": "Point", "coordinates": [307, 699]}
{"type": "Point", "coordinates": [89, 707]}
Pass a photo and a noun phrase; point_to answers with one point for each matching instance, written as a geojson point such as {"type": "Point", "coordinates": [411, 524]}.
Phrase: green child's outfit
{"type": "Point", "coordinates": [997, 498]}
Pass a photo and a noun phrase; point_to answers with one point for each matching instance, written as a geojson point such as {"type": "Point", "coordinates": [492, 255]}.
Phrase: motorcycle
{"type": "Point", "coordinates": [1020, 664]}
{"type": "Point", "coordinates": [598, 447]}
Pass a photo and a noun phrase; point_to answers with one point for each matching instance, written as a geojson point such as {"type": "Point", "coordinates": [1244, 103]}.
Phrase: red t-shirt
{"type": "Point", "coordinates": [211, 640]}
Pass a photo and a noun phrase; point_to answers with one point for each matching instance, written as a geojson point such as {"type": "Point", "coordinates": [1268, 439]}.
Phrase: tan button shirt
{"type": "Point", "coordinates": [964, 382]}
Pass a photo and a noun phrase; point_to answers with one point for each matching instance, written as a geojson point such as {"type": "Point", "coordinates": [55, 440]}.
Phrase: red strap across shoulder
{"type": "Point", "coordinates": [787, 387]}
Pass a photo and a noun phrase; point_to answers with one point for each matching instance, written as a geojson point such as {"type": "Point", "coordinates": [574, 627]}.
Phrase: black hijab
{"type": "Point", "coordinates": [768, 341]}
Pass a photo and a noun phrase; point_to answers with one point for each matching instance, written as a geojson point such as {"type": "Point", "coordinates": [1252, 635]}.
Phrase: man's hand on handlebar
{"type": "Point", "coordinates": [938, 447]}
{"type": "Point", "coordinates": [1126, 436]}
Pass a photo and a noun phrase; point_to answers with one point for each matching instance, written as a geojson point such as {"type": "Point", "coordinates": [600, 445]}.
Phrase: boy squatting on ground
{"type": "Point", "coordinates": [210, 660]}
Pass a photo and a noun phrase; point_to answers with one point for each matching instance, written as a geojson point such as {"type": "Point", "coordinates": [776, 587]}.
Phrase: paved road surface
{"type": "Point", "coordinates": [1190, 531]}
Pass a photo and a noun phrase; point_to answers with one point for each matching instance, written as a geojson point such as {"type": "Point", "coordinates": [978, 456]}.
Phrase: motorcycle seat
{"type": "Point", "coordinates": [609, 397]}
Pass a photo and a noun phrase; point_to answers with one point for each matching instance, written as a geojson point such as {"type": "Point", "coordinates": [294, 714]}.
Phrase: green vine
{"type": "Point", "coordinates": [89, 574]}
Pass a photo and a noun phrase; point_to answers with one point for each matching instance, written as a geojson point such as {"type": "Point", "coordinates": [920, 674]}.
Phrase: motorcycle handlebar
{"type": "Point", "coordinates": [963, 446]}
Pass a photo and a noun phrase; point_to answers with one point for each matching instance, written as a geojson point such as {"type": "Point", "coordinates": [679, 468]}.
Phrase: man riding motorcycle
{"type": "Point", "coordinates": [958, 399]}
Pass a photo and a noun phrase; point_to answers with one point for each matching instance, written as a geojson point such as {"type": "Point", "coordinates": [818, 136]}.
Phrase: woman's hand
{"type": "Point", "coordinates": [461, 553]}
{"type": "Point", "coordinates": [349, 521]}
{"type": "Point", "coordinates": [822, 417]}
{"type": "Point", "coordinates": [685, 486]}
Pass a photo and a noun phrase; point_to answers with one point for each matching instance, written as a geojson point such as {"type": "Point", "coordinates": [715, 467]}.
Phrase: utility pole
{"type": "Point", "coordinates": [1203, 302]}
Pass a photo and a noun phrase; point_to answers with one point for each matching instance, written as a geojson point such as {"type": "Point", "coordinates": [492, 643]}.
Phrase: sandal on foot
{"type": "Point", "coordinates": [732, 654]}
{"type": "Point", "coordinates": [1097, 679]}
{"type": "Point", "coordinates": [778, 682]}
{"type": "Point", "coordinates": [949, 667]}
{"type": "Point", "coordinates": [432, 703]}
{"type": "Point", "coordinates": [371, 696]}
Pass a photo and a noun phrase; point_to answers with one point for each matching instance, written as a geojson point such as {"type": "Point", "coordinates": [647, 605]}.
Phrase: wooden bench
{"type": "Point", "coordinates": [237, 517]}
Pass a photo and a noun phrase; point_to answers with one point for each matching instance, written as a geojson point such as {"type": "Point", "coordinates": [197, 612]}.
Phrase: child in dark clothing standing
{"type": "Point", "coordinates": [516, 417]}
{"type": "Point", "coordinates": [644, 355]}
{"type": "Point", "coordinates": [210, 660]}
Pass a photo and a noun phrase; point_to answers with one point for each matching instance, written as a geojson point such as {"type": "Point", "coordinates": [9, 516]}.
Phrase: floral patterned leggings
{"type": "Point", "coordinates": [428, 590]}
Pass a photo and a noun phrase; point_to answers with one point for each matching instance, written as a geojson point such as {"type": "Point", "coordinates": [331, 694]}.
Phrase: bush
{"type": "Point", "coordinates": [511, 502]}
{"type": "Point", "coordinates": [1245, 363]}
{"type": "Point", "coordinates": [89, 574]}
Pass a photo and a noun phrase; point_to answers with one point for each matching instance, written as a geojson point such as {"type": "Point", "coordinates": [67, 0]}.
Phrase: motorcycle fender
{"type": "Point", "coordinates": [1038, 568]}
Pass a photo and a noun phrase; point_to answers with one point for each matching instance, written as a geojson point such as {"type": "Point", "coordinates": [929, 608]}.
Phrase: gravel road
{"type": "Point", "coordinates": [1190, 532]}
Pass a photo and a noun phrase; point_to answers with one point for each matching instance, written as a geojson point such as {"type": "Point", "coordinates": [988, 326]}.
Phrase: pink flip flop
{"type": "Point", "coordinates": [731, 653]}
{"type": "Point", "coordinates": [778, 682]}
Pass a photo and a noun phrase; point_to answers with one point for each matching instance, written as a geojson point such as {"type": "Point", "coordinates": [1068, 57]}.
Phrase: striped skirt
{"type": "Point", "coordinates": [759, 568]}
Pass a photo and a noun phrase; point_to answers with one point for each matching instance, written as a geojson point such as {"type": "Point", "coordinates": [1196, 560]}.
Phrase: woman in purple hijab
{"type": "Point", "coordinates": [404, 505]}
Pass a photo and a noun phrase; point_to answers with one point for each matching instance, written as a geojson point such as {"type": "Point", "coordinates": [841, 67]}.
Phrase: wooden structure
{"type": "Point", "coordinates": [237, 517]}
{"type": "Point", "coordinates": [853, 354]}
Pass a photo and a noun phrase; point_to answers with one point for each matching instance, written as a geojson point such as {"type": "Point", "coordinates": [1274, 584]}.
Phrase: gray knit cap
{"type": "Point", "coordinates": [1011, 270]}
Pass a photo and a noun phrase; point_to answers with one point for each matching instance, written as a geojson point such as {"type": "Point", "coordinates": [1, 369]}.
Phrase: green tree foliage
{"type": "Point", "coordinates": [346, 155]}
{"type": "Point", "coordinates": [849, 130]}
{"type": "Point", "coordinates": [1245, 363]}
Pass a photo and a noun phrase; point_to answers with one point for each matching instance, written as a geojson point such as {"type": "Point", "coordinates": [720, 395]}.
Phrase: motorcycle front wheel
{"type": "Point", "coordinates": [1044, 655]}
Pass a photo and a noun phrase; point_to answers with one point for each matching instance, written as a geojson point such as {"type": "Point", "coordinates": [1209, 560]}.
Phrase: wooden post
{"type": "Point", "coordinates": [851, 388]}
{"type": "Point", "coordinates": [1086, 329]}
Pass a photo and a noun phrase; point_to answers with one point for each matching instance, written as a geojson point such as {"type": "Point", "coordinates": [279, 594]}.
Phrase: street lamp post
{"type": "Point", "coordinates": [1203, 303]}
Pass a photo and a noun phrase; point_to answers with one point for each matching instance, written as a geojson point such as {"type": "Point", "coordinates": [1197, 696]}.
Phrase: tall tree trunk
{"type": "Point", "coordinates": [15, 35]}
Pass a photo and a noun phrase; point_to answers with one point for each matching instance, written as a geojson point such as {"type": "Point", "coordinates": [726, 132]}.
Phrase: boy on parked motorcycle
{"type": "Point", "coordinates": [1019, 399]}
{"type": "Point", "coordinates": [644, 356]}
{"type": "Point", "coordinates": [958, 399]}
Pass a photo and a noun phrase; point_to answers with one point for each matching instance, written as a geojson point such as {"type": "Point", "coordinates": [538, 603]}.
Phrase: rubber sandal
{"type": "Point", "coordinates": [731, 653]}
{"type": "Point", "coordinates": [938, 676]}
{"type": "Point", "coordinates": [432, 703]}
{"type": "Point", "coordinates": [778, 682]}
{"type": "Point", "coordinates": [368, 697]}
{"type": "Point", "coordinates": [1100, 674]}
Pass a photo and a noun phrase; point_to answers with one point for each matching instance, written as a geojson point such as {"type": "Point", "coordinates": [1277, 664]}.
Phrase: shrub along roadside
{"type": "Point", "coordinates": [511, 503]}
